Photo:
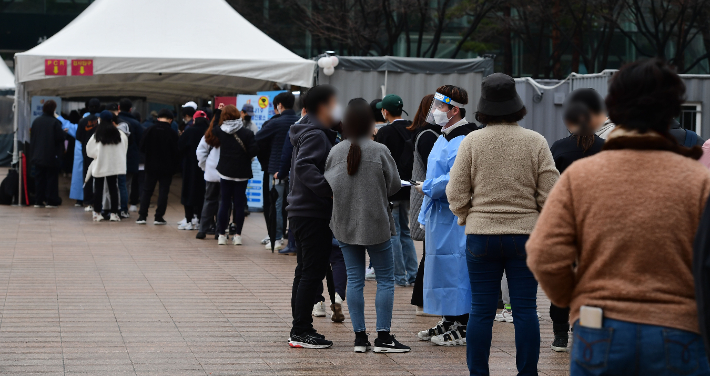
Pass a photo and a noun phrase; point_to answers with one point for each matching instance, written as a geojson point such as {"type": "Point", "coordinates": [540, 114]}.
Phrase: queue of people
{"type": "Point", "coordinates": [604, 220]}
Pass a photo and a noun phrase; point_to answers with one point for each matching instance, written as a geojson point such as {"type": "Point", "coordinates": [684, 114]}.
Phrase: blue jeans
{"type": "Point", "coordinates": [405, 256]}
{"type": "Point", "coordinates": [488, 256]}
{"type": "Point", "coordinates": [626, 348]}
{"type": "Point", "coordinates": [279, 207]}
{"type": "Point", "coordinates": [123, 193]}
{"type": "Point", "coordinates": [381, 257]}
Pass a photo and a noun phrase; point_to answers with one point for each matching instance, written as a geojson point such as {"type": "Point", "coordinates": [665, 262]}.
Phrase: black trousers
{"type": "Point", "coordinates": [89, 186]}
{"type": "Point", "coordinates": [112, 183]}
{"type": "Point", "coordinates": [47, 185]}
{"type": "Point", "coordinates": [313, 246]}
{"type": "Point", "coordinates": [151, 179]}
{"type": "Point", "coordinates": [136, 183]}
{"type": "Point", "coordinates": [560, 319]}
{"type": "Point", "coordinates": [418, 289]}
{"type": "Point", "coordinates": [210, 207]}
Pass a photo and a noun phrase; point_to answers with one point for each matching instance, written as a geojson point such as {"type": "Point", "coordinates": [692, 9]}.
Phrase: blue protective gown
{"type": "Point", "coordinates": [76, 192]}
{"type": "Point", "coordinates": [447, 291]}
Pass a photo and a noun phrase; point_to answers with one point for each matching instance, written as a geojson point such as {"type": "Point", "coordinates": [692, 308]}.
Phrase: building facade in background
{"type": "Point", "coordinates": [538, 38]}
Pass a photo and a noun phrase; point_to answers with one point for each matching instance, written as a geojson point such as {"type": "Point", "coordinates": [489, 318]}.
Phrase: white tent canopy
{"type": "Point", "coordinates": [7, 79]}
{"type": "Point", "coordinates": [165, 50]}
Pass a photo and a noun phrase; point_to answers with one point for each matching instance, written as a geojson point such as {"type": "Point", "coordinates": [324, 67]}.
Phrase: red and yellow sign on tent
{"type": "Point", "coordinates": [55, 67]}
{"type": "Point", "coordinates": [82, 67]}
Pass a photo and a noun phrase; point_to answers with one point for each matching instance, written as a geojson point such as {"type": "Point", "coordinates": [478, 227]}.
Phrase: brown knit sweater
{"type": "Point", "coordinates": [627, 216]}
{"type": "Point", "coordinates": [500, 180]}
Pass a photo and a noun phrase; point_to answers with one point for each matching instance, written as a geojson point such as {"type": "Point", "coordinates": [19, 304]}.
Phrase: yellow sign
{"type": "Point", "coordinates": [264, 102]}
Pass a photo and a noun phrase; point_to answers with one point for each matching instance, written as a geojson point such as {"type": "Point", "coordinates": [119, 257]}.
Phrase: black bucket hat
{"type": "Point", "coordinates": [498, 96]}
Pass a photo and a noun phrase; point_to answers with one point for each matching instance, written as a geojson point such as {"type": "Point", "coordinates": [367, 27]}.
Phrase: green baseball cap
{"type": "Point", "coordinates": [391, 102]}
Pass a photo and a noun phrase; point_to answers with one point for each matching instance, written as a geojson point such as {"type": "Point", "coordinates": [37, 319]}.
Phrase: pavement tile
{"type": "Point", "coordinates": [85, 298]}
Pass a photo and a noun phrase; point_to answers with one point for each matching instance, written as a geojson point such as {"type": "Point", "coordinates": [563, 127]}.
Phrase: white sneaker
{"type": "Point", "coordinates": [222, 240]}
{"type": "Point", "coordinates": [266, 240]}
{"type": "Point", "coordinates": [279, 244]}
{"type": "Point", "coordinates": [337, 309]}
{"type": "Point", "coordinates": [318, 310]}
{"type": "Point", "coordinates": [133, 208]}
{"type": "Point", "coordinates": [426, 335]}
{"type": "Point", "coordinates": [115, 218]}
{"type": "Point", "coordinates": [370, 273]}
{"type": "Point", "coordinates": [185, 226]}
{"type": "Point", "coordinates": [505, 315]}
{"type": "Point", "coordinates": [89, 208]}
{"type": "Point", "coordinates": [456, 336]}
{"type": "Point", "coordinates": [236, 239]}
{"type": "Point", "coordinates": [195, 221]}
{"type": "Point", "coordinates": [183, 222]}
{"type": "Point", "coordinates": [98, 217]}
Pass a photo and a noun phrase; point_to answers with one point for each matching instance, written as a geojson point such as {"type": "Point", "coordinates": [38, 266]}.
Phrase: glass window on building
{"type": "Point", "coordinates": [690, 116]}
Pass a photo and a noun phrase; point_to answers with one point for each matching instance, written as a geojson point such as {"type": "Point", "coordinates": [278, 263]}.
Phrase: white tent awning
{"type": "Point", "coordinates": [165, 50]}
{"type": "Point", "coordinates": [7, 79]}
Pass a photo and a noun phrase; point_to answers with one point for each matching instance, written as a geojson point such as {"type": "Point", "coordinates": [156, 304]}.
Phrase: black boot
{"type": "Point", "coordinates": [561, 330]}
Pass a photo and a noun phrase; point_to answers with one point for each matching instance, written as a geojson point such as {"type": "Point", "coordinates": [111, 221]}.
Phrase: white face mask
{"type": "Point", "coordinates": [440, 117]}
{"type": "Point", "coordinates": [336, 113]}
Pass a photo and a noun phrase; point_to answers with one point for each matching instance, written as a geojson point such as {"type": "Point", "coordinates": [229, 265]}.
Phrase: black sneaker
{"type": "Point", "coordinates": [362, 344]}
{"type": "Point", "coordinates": [141, 221]}
{"type": "Point", "coordinates": [560, 342]}
{"type": "Point", "coordinates": [309, 341]}
{"type": "Point", "coordinates": [390, 346]}
{"type": "Point", "coordinates": [211, 230]}
{"type": "Point", "coordinates": [160, 221]}
{"type": "Point", "coordinates": [232, 229]}
{"type": "Point", "coordinates": [200, 235]}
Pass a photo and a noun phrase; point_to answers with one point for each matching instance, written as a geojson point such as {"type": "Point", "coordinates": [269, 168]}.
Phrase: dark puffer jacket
{"type": "Point", "coordinates": [235, 157]}
{"type": "Point", "coordinates": [275, 132]}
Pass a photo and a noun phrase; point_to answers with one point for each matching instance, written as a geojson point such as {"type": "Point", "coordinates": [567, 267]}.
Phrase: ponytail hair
{"type": "Point", "coordinates": [578, 114]}
{"type": "Point", "coordinates": [358, 123]}
{"type": "Point", "coordinates": [354, 157]}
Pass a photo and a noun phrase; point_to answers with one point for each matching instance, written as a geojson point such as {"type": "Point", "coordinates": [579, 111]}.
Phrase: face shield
{"type": "Point", "coordinates": [440, 111]}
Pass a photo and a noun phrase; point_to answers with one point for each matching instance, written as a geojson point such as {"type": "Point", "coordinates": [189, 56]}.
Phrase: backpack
{"type": "Point", "coordinates": [406, 159]}
{"type": "Point", "coordinates": [9, 187]}
{"type": "Point", "coordinates": [691, 139]}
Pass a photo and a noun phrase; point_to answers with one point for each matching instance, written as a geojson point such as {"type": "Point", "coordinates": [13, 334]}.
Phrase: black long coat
{"type": "Point", "coordinates": [193, 178]}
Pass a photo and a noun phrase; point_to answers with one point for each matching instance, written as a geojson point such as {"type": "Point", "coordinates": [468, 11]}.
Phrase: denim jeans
{"type": "Point", "coordinates": [488, 256]}
{"type": "Point", "coordinates": [123, 192]}
{"type": "Point", "coordinates": [381, 257]}
{"type": "Point", "coordinates": [279, 207]}
{"type": "Point", "coordinates": [405, 256]}
{"type": "Point", "coordinates": [626, 348]}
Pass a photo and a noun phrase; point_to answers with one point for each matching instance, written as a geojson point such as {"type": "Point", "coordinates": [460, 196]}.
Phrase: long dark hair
{"type": "Point", "coordinates": [578, 114]}
{"type": "Point", "coordinates": [357, 123]}
{"type": "Point", "coordinates": [422, 112]}
{"type": "Point", "coordinates": [107, 133]}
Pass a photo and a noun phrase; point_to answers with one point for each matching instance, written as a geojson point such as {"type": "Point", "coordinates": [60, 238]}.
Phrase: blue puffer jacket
{"type": "Point", "coordinates": [275, 132]}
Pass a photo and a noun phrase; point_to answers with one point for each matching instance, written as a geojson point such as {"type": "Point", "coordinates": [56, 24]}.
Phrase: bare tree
{"type": "Point", "coordinates": [665, 26]}
{"type": "Point", "coordinates": [476, 10]}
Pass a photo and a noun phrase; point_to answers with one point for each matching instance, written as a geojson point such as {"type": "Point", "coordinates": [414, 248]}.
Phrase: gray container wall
{"type": "Point", "coordinates": [544, 116]}
{"type": "Point", "coordinates": [697, 90]}
{"type": "Point", "coordinates": [412, 87]}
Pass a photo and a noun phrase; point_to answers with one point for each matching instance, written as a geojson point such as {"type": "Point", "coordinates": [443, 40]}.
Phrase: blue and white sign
{"type": "Point", "coordinates": [38, 102]}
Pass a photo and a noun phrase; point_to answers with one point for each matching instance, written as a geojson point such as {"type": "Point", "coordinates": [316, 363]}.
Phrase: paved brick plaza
{"type": "Point", "coordinates": [120, 299]}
